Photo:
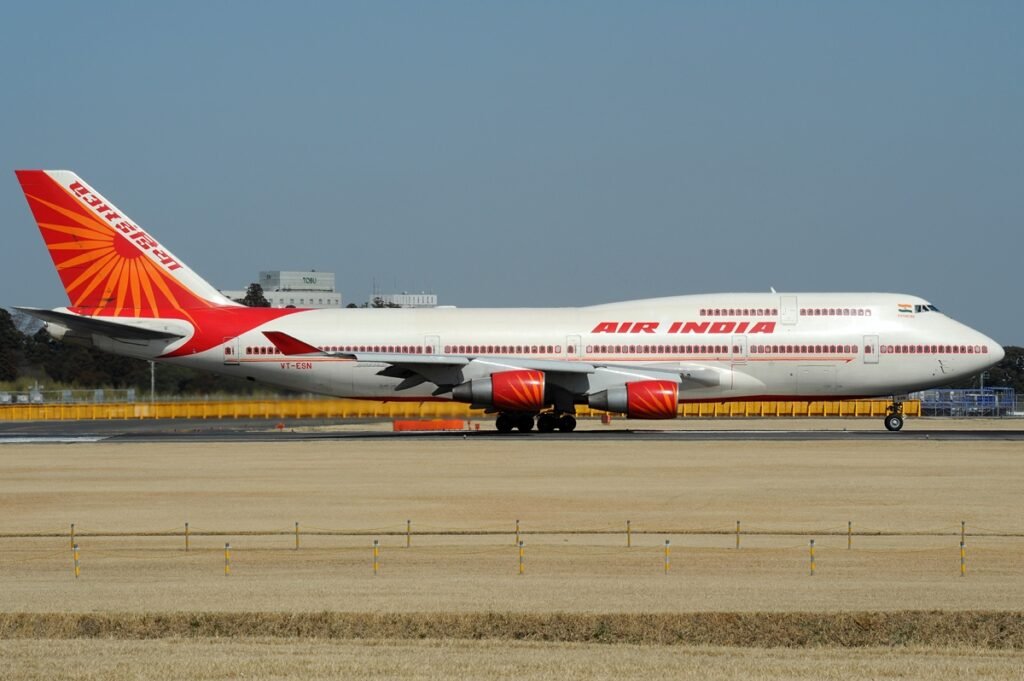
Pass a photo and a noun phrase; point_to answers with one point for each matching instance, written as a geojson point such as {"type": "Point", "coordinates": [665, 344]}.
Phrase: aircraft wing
{"type": "Point", "coordinates": [89, 325]}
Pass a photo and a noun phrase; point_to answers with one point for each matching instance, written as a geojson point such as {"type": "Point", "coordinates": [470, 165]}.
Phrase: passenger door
{"type": "Point", "coordinates": [572, 347]}
{"type": "Point", "coordinates": [739, 350]}
{"type": "Point", "coordinates": [788, 312]}
{"type": "Point", "coordinates": [871, 349]}
{"type": "Point", "coordinates": [231, 351]}
{"type": "Point", "coordinates": [432, 345]}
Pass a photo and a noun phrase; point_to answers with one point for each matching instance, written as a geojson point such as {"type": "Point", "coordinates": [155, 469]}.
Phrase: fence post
{"type": "Point", "coordinates": [296, 535]}
{"type": "Point", "coordinates": [408, 533]}
{"type": "Point", "coordinates": [963, 560]}
{"type": "Point", "coordinates": [522, 566]}
{"type": "Point", "coordinates": [517, 532]}
{"type": "Point", "coordinates": [737, 534]}
{"type": "Point", "coordinates": [812, 558]}
{"type": "Point", "coordinates": [963, 531]}
{"type": "Point", "coordinates": [74, 548]}
{"type": "Point", "coordinates": [186, 537]}
{"type": "Point", "coordinates": [72, 535]}
{"type": "Point", "coordinates": [668, 562]}
{"type": "Point", "coordinates": [629, 535]}
{"type": "Point", "coordinates": [376, 556]}
{"type": "Point", "coordinates": [227, 560]}
{"type": "Point", "coordinates": [849, 535]}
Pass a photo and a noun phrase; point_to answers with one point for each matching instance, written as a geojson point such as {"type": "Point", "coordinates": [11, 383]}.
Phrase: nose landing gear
{"type": "Point", "coordinates": [894, 417]}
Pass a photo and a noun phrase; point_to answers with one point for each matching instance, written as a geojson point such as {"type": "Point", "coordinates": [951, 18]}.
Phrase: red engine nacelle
{"type": "Point", "coordinates": [513, 391]}
{"type": "Point", "coordinates": [640, 399]}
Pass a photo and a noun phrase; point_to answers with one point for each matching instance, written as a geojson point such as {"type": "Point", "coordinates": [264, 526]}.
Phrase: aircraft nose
{"type": "Point", "coordinates": [996, 352]}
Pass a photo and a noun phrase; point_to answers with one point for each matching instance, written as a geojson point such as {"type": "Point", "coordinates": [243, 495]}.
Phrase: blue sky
{"type": "Point", "coordinates": [534, 154]}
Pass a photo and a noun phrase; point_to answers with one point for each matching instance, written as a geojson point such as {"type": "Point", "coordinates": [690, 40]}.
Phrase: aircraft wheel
{"type": "Point", "coordinates": [504, 423]}
{"type": "Point", "coordinates": [567, 423]}
{"type": "Point", "coordinates": [546, 423]}
{"type": "Point", "coordinates": [893, 422]}
{"type": "Point", "coordinates": [524, 423]}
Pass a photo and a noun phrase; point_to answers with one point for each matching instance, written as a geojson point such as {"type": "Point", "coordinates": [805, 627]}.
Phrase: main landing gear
{"type": "Point", "coordinates": [894, 417]}
{"type": "Point", "coordinates": [547, 422]}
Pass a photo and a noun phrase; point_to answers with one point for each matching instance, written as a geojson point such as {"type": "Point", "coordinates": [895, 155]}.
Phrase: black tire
{"type": "Point", "coordinates": [524, 422]}
{"type": "Point", "coordinates": [546, 423]}
{"type": "Point", "coordinates": [504, 423]}
{"type": "Point", "coordinates": [893, 422]}
{"type": "Point", "coordinates": [567, 423]}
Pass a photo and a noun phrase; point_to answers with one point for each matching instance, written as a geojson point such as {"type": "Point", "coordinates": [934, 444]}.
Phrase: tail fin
{"type": "Point", "coordinates": [109, 265]}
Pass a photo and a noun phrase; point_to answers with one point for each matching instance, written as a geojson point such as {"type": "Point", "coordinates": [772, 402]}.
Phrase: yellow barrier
{"type": "Point", "coordinates": [348, 409]}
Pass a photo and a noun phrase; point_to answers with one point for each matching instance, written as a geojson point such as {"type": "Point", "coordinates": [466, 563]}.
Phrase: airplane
{"type": "Point", "coordinates": [129, 295]}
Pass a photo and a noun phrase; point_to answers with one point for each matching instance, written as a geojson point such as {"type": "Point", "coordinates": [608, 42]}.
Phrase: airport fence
{"type": "Point", "coordinates": [362, 409]}
{"type": "Point", "coordinates": [75, 545]}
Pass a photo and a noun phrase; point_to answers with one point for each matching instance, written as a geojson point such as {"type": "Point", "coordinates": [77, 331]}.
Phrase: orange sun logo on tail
{"type": "Point", "coordinates": [108, 265]}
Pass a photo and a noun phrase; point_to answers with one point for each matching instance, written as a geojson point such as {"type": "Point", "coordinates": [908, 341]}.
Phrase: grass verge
{"type": "Point", "coordinates": [976, 629]}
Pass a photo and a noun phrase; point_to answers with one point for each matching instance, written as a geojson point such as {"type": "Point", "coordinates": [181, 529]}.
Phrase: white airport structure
{"type": "Point", "coordinates": [406, 299]}
{"type": "Point", "coordinates": [283, 288]}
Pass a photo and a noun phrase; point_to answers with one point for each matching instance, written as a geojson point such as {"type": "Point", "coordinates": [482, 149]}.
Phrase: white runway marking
{"type": "Point", "coordinates": [49, 440]}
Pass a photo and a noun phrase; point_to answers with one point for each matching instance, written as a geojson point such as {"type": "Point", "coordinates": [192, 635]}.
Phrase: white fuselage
{"type": "Point", "coordinates": [760, 345]}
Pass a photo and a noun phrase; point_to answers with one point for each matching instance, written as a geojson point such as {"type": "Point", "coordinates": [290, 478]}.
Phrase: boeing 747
{"type": "Point", "coordinates": [130, 295]}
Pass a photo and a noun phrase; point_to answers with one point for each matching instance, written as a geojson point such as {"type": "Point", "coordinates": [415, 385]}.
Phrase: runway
{"type": "Point", "coordinates": [316, 430]}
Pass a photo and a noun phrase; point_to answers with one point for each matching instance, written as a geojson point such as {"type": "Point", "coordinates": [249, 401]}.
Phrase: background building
{"type": "Point", "coordinates": [404, 299]}
{"type": "Point", "coordinates": [284, 288]}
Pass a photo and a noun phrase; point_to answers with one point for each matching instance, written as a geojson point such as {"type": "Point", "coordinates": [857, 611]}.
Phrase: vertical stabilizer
{"type": "Point", "coordinates": [108, 264]}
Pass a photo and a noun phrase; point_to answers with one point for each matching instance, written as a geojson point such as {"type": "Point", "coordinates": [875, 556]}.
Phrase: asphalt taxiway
{"type": "Point", "coordinates": [262, 430]}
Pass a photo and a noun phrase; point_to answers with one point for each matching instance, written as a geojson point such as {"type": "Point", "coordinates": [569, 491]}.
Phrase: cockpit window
{"type": "Point", "coordinates": [925, 308]}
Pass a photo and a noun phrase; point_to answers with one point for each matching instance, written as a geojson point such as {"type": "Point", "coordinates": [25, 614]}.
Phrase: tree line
{"type": "Point", "coordinates": [29, 354]}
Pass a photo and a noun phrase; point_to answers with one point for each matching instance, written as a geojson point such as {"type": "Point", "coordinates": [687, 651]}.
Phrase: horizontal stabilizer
{"type": "Point", "coordinates": [104, 327]}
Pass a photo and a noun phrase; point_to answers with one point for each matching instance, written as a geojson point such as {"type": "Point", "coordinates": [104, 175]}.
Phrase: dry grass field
{"type": "Point", "coordinates": [791, 491]}
{"type": "Point", "coordinates": [219, 658]}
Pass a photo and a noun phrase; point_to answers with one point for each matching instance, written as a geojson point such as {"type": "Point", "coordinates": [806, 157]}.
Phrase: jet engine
{"type": "Point", "coordinates": [510, 391]}
{"type": "Point", "coordinates": [640, 399]}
